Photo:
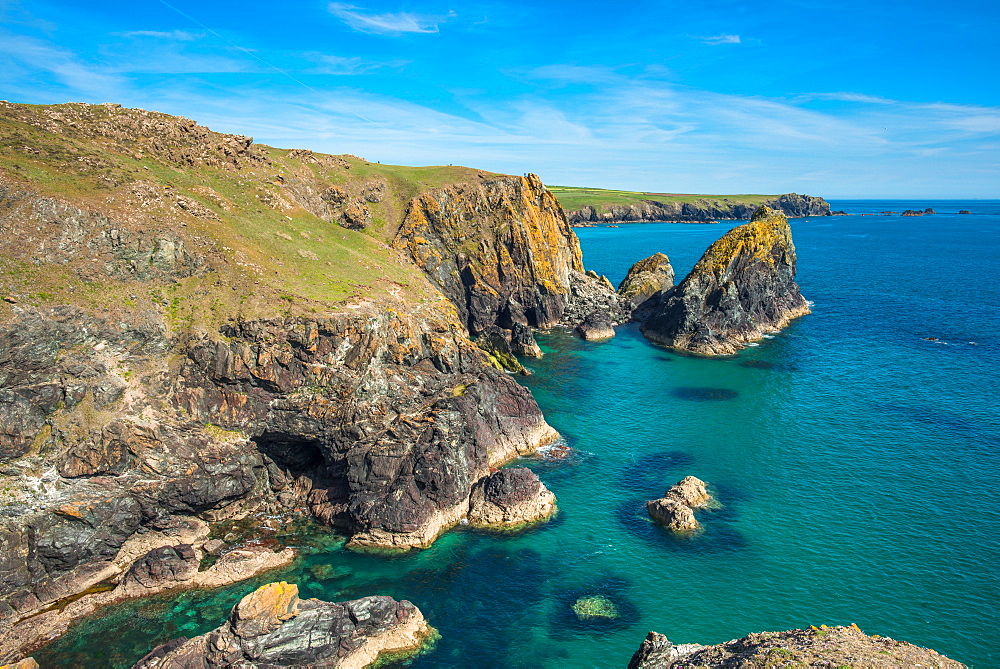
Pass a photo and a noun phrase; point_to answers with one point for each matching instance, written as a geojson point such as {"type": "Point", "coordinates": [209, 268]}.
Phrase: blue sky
{"type": "Point", "coordinates": [872, 98]}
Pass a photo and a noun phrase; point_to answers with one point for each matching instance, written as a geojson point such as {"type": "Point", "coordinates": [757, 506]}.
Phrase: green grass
{"type": "Point", "coordinates": [572, 198]}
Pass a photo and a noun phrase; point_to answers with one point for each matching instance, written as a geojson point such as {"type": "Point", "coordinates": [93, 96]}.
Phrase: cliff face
{"type": "Point", "coordinates": [182, 336]}
{"type": "Point", "coordinates": [501, 250]}
{"type": "Point", "coordinates": [743, 287]}
{"type": "Point", "coordinates": [791, 204]}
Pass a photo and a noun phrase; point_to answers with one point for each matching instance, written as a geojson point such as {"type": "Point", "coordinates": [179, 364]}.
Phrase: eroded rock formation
{"type": "Point", "coordinates": [273, 627]}
{"type": "Point", "coordinates": [675, 510]}
{"type": "Point", "coordinates": [814, 647]}
{"type": "Point", "coordinates": [645, 284]}
{"type": "Point", "coordinates": [742, 288]}
{"type": "Point", "coordinates": [509, 498]}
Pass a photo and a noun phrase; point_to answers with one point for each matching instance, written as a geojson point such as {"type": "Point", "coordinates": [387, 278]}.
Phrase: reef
{"type": "Point", "coordinates": [742, 288]}
{"type": "Point", "coordinates": [821, 646]}
{"type": "Point", "coordinates": [273, 627]}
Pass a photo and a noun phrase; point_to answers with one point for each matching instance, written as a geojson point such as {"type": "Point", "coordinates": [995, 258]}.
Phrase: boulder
{"type": "Point", "coordinates": [675, 510]}
{"type": "Point", "coordinates": [742, 288]}
{"type": "Point", "coordinates": [273, 627]}
{"type": "Point", "coordinates": [161, 568]}
{"type": "Point", "coordinates": [596, 326]}
{"type": "Point", "coordinates": [589, 293]}
{"type": "Point", "coordinates": [510, 497]}
{"type": "Point", "coordinates": [645, 283]}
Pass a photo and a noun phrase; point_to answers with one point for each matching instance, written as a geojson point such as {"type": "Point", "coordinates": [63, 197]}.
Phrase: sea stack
{"type": "Point", "coordinates": [645, 284]}
{"type": "Point", "coordinates": [742, 288]}
{"type": "Point", "coordinates": [675, 510]}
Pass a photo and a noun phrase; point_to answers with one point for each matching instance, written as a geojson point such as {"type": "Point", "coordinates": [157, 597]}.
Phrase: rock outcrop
{"type": "Point", "coordinates": [814, 647]}
{"type": "Point", "coordinates": [742, 288]}
{"type": "Point", "coordinates": [510, 498]}
{"type": "Point", "coordinates": [596, 326]}
{"type": "Point", "coordinates": [500, 250]}
{"type": "Point", "coordinates": [645, 284]}
{"type": "Point", "coordinates": [273, 627]}
{"type": "Point", "coordinates": [522, 342]}
{"type": "Point", "coordinates": [496, 343]}
{"type": "Point", "coordinates": [700, 209]}
{"type": "Point", "coordinates": [675, 510]}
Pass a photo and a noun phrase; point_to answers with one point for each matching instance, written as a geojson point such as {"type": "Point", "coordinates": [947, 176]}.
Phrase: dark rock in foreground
{"type": "Point", "coordinates": [273, 627]}
{"type": "Point", "coordinates": [814, 647]}
{"type": "Point", "coordinates": [742, 288]}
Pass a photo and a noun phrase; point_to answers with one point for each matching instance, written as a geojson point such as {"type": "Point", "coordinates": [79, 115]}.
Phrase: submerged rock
{"type": "Point", "coordinates": [645, 284]}
{"type": "Point", "coordinates": [273, 627]}
{"type": "Point", "coordinates": [595, 607]}
{"type": "Point", "coordinates": [814, 647]}
{"type": "Point", "coordinates": [675, 510]}
{"type": "Point", "coordinates": [508, 498]}
{"type": "Point", "coordinates": [742, 288]}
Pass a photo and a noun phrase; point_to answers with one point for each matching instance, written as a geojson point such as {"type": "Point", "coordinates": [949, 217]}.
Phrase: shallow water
{"type": "Point", "coordinates": [855, 463]}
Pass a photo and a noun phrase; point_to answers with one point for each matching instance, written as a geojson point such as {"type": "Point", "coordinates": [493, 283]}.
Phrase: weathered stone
{"type": "Point", "coordinates": [162, 567]}
{"type": "Point", "coordinates": [522, 341]}
{"type": "Point", "coordinates": [495, 342]}
{"type": "Point", "coordinates": [590, 293]}
{"type": "Point", "coordinates": [273, 627]}
{"type": "Point", "coordinates": [645, 284]}
{"type": "Point", "coordinates": [510, 497]}
{"type": "Point", "coordinates": [742, 288]}
{"type": "Point", "coordinates": [675, 510]}
{"type": "Point", "coordinates": [814, 647]}
{"type": "Point", "coordinates": [596, 326]}
{"type": "Point", "coordinates": [517, 269]}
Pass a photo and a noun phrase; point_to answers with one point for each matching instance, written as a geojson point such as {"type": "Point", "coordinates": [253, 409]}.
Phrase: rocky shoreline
{"type": "Point", "coordinates": [697, 211]}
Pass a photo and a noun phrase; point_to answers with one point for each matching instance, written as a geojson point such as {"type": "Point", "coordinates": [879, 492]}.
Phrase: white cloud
{"type": "Point", "coordinates": [388, 23]}
{"type": "Point", "coordinates": [721, 39]}
{"type": "Point", "coordinates": [172, 35]}
{"type": "Point", "coordinates": [347, 65]}
{"type": "Point", "coordinates": [32, 56]}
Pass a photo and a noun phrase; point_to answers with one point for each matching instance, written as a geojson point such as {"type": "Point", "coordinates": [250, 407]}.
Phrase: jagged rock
{"type": "Point", "coordinates": [26, 663]}
{"type": "Point", "coordinates": [522, 341]}
{"type": "Point", "coordinates": [742, 288]}
{"type": "Point", "coordinates": [356, 216]}
{"type": "Point", "coordinates": [929, 210]}
{"type": "Point", "coordinates": [675, 510]}
{"type": "Point", "coordinates": [656, 651]}
{"type": "Point", "coordinates": [644, 285]}
{"type": "Point", "coordinates": [912, 212]}
{"type": "Point", "coordinates": [273, 627]}
{"type": "Point", "coordinates": [162, 567]}
{"type": "Point", "coordinates": [596, 326]}
{"type": "Point", "coordinates": [965, 211]}
{"type": "Point", "coordinates": [510, 497]}
{"type": "Point", "coordinates": [814, 647]}
{"type": "Point", "coordinates": [517, 271]}
{"type": "Point", "coordinates": [590, 293]}
{"type": "Point", "coordinates": [496, 343]}
{"type": "Point", "coordinates": [699, 209]}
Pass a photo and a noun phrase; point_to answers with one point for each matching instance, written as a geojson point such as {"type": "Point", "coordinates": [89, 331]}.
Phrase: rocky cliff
{"type": "Point", "coordinates": [742, 288]}
{"type": "Point", "coordinates": [821, 646]}
{"type": "Point", "coordinates": [697, 209]}
{"type": "Point", "coordinates": [192, 325]}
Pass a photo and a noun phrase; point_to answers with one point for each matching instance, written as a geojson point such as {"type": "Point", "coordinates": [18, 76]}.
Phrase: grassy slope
{"type": "Point", "coordinates": [270, 260]}
{"type": "Point", "coordinates": [572, 198]}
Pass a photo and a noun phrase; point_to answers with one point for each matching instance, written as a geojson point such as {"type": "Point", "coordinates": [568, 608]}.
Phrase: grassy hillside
{"type": "Point", "coordinates": [251, 210]}
{"type": "Point", "coordinates": [572, 198]}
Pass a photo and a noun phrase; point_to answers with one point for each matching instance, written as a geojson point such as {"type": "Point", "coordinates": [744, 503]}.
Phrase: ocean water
{"type": "Point", "coordinates": [855, 462]}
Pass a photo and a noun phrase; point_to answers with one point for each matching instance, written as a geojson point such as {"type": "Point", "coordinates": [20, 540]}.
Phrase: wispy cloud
{"type": "Point", "coordinates": [390, 23]}
{"type": "Point", "coordinates": [721, 39]}
{"type": "Point", "coordinates": [30, 58]}
{"type": "Point", "coordinates": [173, 35]}
{"type": "Point", "coordinates": [347, 65]}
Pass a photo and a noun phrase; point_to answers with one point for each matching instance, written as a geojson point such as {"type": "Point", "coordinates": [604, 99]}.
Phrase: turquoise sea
{"type": "Point", "coordinates": [855, 460]}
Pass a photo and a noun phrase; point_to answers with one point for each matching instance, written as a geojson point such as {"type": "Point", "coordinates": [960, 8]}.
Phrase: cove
{"type": "Point", "coordinates": [855, 463]}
